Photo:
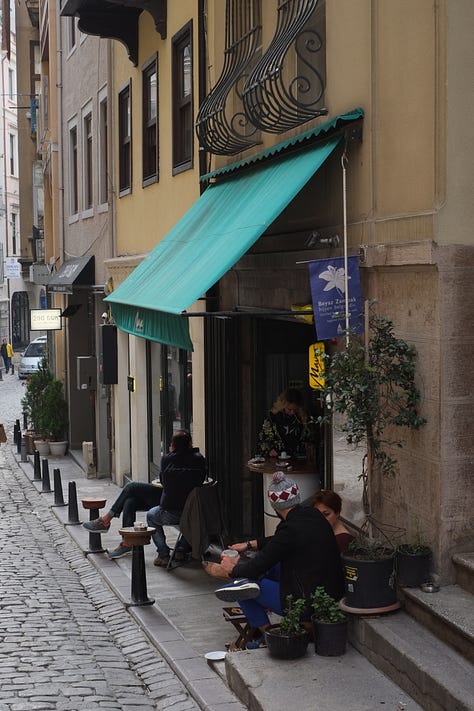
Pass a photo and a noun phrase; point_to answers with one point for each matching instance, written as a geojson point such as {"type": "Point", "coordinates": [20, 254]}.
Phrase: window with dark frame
{"type": "Point", "coordinates": [125, 139]}
{"type": "Point", "coordinates": [87, 148]}
{"type": "Point", "coordinates": [150, 121]}
{"type": "Point", "coordinates": [182, 80]}
{"type": "Point", "coordinates": [103, 152]}
{"type": "Point", "coordinates": [73, 193]}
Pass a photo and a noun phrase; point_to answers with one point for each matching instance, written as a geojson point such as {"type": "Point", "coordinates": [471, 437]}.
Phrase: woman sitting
{"type": "Point", "coordinates": [330, 504]}
{"type": "Point", "coordinates": [285, 428]}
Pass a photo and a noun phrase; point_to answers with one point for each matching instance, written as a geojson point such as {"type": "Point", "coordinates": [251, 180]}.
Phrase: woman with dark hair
{"type": "Point", "coordinates": [330, 505]}
{"type": "Point", "coordinates": [285, 429]}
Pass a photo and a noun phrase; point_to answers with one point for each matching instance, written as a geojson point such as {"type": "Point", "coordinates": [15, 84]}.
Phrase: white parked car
{"type": "Point", "coordinates": [32, 356]}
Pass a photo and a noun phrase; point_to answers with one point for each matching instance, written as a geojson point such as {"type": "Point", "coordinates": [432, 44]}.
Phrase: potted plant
{"type": "Point", "coordinates": [45, 408]}
{"type": "Point", "coordinates": [32, 404]}
{"type": "Point", "coordinates": [54, 417]}
{"type": "Point", "coordinates": [413, 561]}
{"type": "Point", "coordinates": [372, 384]}
{"type": "Point", "coordinates": [329, 624]}
{"type": "Point", "coordinates": [288, 639]}
{"type": "Point", "coordinates": [369, 572]}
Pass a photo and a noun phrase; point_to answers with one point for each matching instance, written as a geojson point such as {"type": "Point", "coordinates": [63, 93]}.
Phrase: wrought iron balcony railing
{"type": "Point", "coordinates": [222, 126]}
{"type": "Point", "coordinates": [287, 86]}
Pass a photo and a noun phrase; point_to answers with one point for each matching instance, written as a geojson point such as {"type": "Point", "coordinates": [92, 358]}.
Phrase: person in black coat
{"type": "Point", "coordinates": [181, 471]}
{"type": "Point", "coordinates": [303, 553]}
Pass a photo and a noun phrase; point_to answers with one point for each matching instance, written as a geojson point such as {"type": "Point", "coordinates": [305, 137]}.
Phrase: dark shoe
{"type": "Point", "coordinates": [180, 557]}
{"type": "Point", "coordinates": [96, 525]}
{"type": "Point", "coordinates": [161, 562]}
{"type": "Point", "coordinates": [258, 643]}
{"type": "Point", "coordinates": [239, 589]}
{"type": "Point", "coordinates": [121, 550]}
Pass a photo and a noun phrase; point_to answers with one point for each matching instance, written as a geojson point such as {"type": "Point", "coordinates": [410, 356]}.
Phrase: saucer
{"type": "Point", "coordinates": [215, 656]}
{"type": "Point", "coordinates": [284, 458]}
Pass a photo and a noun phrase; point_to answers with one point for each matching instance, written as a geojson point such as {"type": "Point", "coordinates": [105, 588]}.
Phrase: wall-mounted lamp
{"type": "Point", "coordinates": [316, 239]}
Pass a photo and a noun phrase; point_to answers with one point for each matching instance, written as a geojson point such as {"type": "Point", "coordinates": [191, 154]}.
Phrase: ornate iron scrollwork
{"type": "Point", "coordinates": [277, 96]}
{"type": "Point", "coordinates": [222, 127]}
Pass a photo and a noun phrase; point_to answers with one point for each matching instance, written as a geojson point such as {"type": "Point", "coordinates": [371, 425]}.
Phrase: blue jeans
{"type": "Point", "coordinates": [136, 496]}
{"type": "Point", "coordinates": [157, 518]}
{"type": "Point", "coordinates": [269, 599]}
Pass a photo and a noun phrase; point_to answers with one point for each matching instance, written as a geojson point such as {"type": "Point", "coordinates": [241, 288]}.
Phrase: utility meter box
{"type": "Point", "coordinates": [86, 373]}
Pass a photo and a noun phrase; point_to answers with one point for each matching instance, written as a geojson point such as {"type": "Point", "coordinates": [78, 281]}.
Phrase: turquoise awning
{"type": "Point", "coordinates": [207, 241]}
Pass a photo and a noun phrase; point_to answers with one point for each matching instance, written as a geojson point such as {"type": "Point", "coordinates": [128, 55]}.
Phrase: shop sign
{"type": "Point", "coordinates": [12, 268]}
{"type": "Point", "coordinates": [316, 366]}
{"type": "Point", "coordinates": [45, 319]}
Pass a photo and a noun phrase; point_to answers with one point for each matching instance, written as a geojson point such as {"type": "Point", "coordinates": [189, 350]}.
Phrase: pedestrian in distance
{"type": "Point", "coordinates": [301, 555]}
{"type": "Point", "coordinates": [7, 354]}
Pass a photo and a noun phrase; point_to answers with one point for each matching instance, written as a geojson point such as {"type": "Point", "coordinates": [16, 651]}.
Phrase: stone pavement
{"type": "Point", "coordinates": [184, 622]}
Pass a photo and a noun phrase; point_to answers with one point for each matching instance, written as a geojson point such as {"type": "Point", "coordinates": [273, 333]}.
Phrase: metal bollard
{"type": "Point", "coordinates": [25, 421]}
{"type": "Point", "coordinates": [73, 513]}
{"type": "Point", "coordinates": [46, 488]}
{"type": "Point", "coordinates": [17, 439]}
{"type": "Point", "coordinates": [58, 489]}
{"type": "Point", "coordinates": [16, 433]}
{"type": "Point", "coordinates": [1, 376]}
{"type": "Point", "coordinates": [13, 368]}
{"type": "Point", "coordinates": [36, 466]}
{"type": "Point", "coordinates": [24, 457]}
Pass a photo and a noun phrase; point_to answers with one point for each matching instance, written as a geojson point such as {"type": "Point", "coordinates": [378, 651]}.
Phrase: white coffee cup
{"type": "Point", "coordinates": [140, 526]}
{"type": "Point", "coordinates": [284, 455]}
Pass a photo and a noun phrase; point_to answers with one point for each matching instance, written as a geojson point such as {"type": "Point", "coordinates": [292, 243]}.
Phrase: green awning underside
{"type": "Point", "coordinates": [207, 241]}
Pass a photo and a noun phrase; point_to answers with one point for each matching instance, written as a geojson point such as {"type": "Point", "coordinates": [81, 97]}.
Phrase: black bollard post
{"type": "Point", "coordinates": [16, 434]}
{"type": "Point", "coordinates": [139, 593]}
{"type": "Point", "coordinates": [46, 488]}
{"type": "Point", "coordinates": [36, 466]}
{"type": "Point", "coordinates": [24, 457]}
{"type": "Point", "coordinates": [25, 421]}
{"type": "Point", "coordinates": [17, 439]}
{"type": "Point", "coordinates": [73, 512]}
{"type": "Point", "coordinates": [13, 368]}
{"type": "Point", "coordinates": [1, 376]}
{"type": "Point", "coordinates": [95, 540]}
{"type": "Point", "coordinates": [58, 489]}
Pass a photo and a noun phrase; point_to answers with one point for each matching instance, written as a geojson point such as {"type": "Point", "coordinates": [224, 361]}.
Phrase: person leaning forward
{"type": "Point", "coordinates": [303, 551]}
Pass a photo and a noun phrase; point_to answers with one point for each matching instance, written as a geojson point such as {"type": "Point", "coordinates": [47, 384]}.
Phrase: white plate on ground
{"type": "Point", "coordinates": [215, 656]}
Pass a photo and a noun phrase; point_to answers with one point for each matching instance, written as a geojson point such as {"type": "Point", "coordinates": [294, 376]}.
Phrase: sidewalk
{"type": "Point", "coordinates": [186, 621]}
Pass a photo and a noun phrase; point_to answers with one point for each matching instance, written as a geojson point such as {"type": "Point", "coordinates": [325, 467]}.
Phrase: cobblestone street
{"type": "Point", "coordinates": [66, 641]}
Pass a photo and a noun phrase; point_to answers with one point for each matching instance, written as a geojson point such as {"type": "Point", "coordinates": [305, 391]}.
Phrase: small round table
{"type": "Point", "coordinates": [303, 473]}
{"type": "Point", "coordinates": [93, 505]}
{"type": "Point", "coordinates": [137, 539]}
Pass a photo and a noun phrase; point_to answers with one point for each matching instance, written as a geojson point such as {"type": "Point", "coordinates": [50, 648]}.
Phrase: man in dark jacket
{"type": "Point", "coordinates": [181, 471]}
{"type": "Point", "coordinates": [300, 556]}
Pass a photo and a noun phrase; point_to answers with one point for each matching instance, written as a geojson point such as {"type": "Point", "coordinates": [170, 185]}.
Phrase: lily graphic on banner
{"type": "Point", "coordinates": [327, 280]}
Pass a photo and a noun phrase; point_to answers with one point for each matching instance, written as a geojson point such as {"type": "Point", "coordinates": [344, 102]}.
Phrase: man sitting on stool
{"type": "Point", "coordinates": [181, 471]}
{"type": "Point", "coordinates": [300, 556]}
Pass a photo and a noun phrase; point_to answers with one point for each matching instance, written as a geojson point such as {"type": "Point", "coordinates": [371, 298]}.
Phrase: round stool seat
{"type": "Point", "coordinates": [136, 538]}
{"type": "Point", "coordinates": [93, 503]}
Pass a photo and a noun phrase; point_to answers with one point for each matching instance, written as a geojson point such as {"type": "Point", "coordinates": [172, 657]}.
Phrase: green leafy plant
{"type": "Point", "coordinates": [32, 402]}
{"type": "Point", "coordinates": [325, 608]}
{"type": "Point", "coordinates": [291, 623]}
{"type": "Point", "coordinates": [365, 548]}
{"type": "Point", "coordinates": [373, 384]}
{"type": "Point", "coordinates": [54, 413]}
{"type": "Point", "coordinates": [417, 546]}
{"type": "Point", "coordinates": [44, 404]}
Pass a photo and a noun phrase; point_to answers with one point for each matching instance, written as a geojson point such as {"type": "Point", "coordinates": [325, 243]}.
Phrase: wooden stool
{"type": "Point", "coordinates": [93, 504]}
{"type": "Point", "coordinates": [137, 539]}
{"type": "Point", "coordinates": [236, 617]}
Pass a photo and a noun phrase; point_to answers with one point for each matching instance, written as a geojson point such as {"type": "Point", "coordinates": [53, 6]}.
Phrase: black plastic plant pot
{"type": "Point", "coordinates": [330, 638]}
{"type": "Point", "coordinates": [285, 646]}
{"type": "Point", "coordinates": [370, 584]}
{"type": "Point", "coordinates": [413, 569]}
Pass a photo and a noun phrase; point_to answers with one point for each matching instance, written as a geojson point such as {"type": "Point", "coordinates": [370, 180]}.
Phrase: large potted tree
{"type": "Point", "coordinates": [371, 383]}
{"type": "Point", "coordinates": [32, 405]}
